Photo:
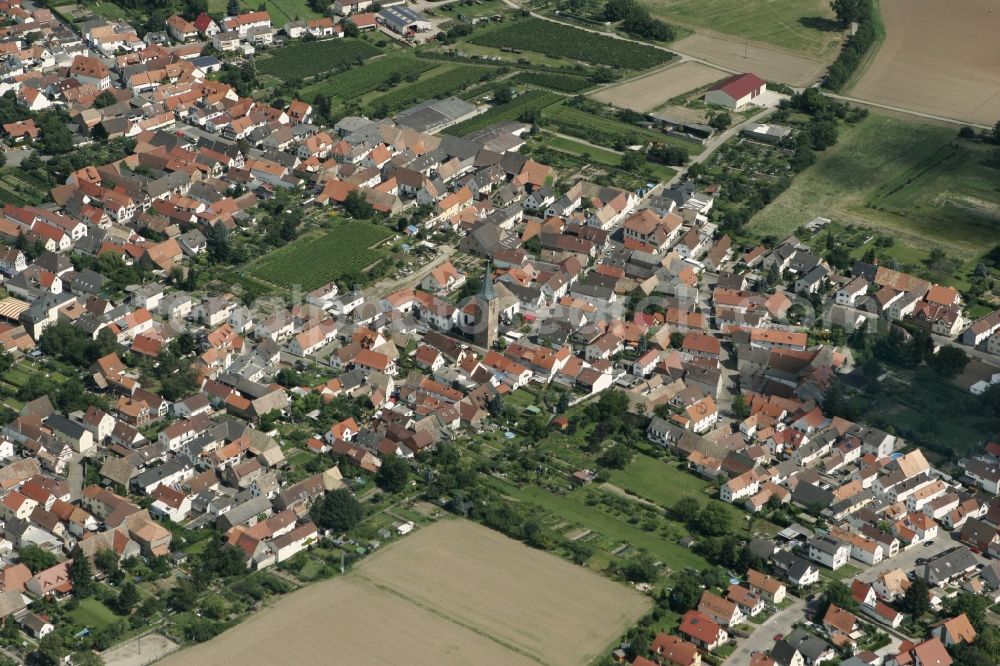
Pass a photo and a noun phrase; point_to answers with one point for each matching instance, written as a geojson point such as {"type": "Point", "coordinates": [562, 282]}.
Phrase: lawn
{"type": "Point", "coordinates": [658, 481]}
{"type": "Point", "coordinates": [804, 26]}
{"type": "Point", "coordinates": [92, 614]}
{"type": "Point", "coordinates": [300, 60]}
{"type": "Point", "coordinates": [918, 183]}
{"type": "Point", "coordinates": [312, 261]}
{"type": "Point", "coordinates": [300, 458]}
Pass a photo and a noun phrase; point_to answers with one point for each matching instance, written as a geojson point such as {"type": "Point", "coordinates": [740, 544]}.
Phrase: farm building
{"type": "Point", "coordinates": [403, 20]}
{"type": "Point", "coordinates": [737, 91]}
{"type": "Point", "coordinates": [436, 114]}
{"type": "Point", "coordinates": [687, 127]}
{"type": "Point", "coordinates": [766, 133]}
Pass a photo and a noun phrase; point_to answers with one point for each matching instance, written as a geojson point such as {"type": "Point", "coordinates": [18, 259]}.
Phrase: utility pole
{"type": "Point", "coordinates": [746, 48]}
{"type": "Point", "coordinates": [341, 563]}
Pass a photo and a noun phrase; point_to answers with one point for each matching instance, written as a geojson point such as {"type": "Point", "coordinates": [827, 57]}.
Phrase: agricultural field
{"type": "Point", "coordinates": [21, 189]}
{"type": "Point", "coordinates": [651, 91]}
{"type": "Point", "coordinates": [527, 607]}
{"type": "Point", "coordinates": [450, 80]}
{"type": "Point", "coordinates": [805, 27]}
{"type": "Point", "coordinates": [941, 63]}
{"type": "Point", "coordinates": [767, 62]}
{"type": "Point", "coordinates": [918, 183]}
{"type": "Point", "coordinates": [374, 74]}
{"type": "Point", "coordinates": [558, 40]}
{"type": "Point", "coordinates": [300, 60]}
{"type": "Point", "coordinates": [312, 261]}
{"type": "Point", "coordinates": [528, 103]}
{"type": "Point", "coordinates": [566, 83]}
{"type": "Point", "coordinates": [607, 131]}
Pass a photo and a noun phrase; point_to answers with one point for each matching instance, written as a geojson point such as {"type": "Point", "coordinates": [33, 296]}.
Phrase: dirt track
{"type": "Point", "coordinates": [652, 90]}
{"type": "Point", "coordinates": [942, 59]}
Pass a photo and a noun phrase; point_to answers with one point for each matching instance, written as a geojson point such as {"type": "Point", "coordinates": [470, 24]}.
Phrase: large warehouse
{"type": "Point", "coordinates": [403, 20]}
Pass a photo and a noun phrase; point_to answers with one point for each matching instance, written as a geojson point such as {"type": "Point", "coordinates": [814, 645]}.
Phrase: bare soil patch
{"type": "Point", "coordinates": [939, 59]}
{"type": "Point", "coordinates": [139, 651]}
{"type": "Point", "coordinates": [768, 63]}
{"type": "Point", "coordinates": [648, 92]}
{"type": "Point", "coordinates": [454, 593]}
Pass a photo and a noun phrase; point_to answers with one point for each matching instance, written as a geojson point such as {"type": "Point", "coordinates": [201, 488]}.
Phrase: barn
{"type": "Point", "coordinates": [737, 91]}
{"type": "Point", "coordinates": [403, 20]}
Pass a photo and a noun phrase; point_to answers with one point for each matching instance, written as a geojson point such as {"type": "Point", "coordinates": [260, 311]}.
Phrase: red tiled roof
{"type": "Point", "coordinates": [738, 86]}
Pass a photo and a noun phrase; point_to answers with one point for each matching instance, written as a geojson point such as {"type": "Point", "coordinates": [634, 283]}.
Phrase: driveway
{"type": "Point", "coordinates": [763, 635]}
{"type": "Point", "coordinates": [76, 475]}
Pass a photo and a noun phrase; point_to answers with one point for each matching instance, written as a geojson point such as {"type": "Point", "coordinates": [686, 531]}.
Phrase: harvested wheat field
{"type": "Point", "coordinates": [768, 63]}
{"type": "Point", "coordinates": [648, 92]}
{"type": "Point", "coordinates": [452, 593]}
{"type": "Point", "coordinates": [942, 59]}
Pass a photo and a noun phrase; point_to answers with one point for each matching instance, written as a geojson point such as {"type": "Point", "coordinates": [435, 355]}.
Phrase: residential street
{"type": "Point", "coordinates": [763, 635]}
{"type": "Point", "coordinates": [907, 560]}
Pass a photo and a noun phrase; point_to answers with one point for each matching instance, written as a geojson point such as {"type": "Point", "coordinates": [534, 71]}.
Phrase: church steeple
{"type": "Point", "coordinates": [487, 292]}
{"type": "Point", "coordinates": [488, 311]}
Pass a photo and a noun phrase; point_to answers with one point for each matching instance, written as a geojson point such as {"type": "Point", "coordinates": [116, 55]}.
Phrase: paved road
{"type": "Point", "coordinates": [762, 637]}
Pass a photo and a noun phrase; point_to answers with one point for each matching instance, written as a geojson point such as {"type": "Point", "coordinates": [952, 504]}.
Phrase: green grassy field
{"type": "Point", "coordinates": [918, 183]}
{"type": "Point", "coordinates": [312, 261]}
{"type": "Point", "coordinates": [658, 481]}
{"type": "Point", "coordinates": [93, 614]}
{"type": "Point", "coordinates": [804, 26]}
